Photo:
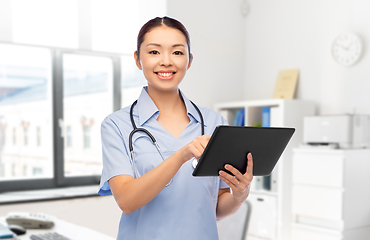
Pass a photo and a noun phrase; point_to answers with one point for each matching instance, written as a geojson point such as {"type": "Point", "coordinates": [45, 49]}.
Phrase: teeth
{"type": "Point", "coordinates": [165, 74]}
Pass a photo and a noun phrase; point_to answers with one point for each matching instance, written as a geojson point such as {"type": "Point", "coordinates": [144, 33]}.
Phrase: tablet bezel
{"type": "Point", "coordinates": [234, 142]}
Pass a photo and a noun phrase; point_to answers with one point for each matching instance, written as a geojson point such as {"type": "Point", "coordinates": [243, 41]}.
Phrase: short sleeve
{"type": "Point", "coordinates": [116, 160]}
{"type": "Point", "coordinates": [223, 185]}
{"type": "Point", "coordinates": [224, 121]}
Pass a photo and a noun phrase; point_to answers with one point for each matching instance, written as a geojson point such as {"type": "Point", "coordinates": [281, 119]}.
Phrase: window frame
{"type": "Point", "coordinates": [59, 180]}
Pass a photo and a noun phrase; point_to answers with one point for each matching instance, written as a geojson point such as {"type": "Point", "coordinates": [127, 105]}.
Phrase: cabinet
{"type": "Point", "coordinates": [271, 209]}
{"type": "Point", "coordinates": [330, 198]}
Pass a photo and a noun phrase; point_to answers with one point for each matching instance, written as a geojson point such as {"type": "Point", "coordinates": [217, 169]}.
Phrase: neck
{"type": "Point", "coordinates": [166, 100]}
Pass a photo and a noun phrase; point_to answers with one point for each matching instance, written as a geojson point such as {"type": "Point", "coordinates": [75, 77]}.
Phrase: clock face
{"type": "Point", "coordinates": [347, 49]}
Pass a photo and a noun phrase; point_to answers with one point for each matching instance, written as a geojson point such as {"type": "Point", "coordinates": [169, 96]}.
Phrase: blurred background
{"type": "Point", "coordinates": [65, 65]}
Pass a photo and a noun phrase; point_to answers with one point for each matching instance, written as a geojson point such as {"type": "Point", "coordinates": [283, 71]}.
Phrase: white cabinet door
{"type": "Point", "coordinates": [262, 222]}
{"type": "Point", "coordinates": [324, 203]}
{"type": "Point", "coordinates": [302, 233]}
{"type": "Point", "coordinates": [318, 169]}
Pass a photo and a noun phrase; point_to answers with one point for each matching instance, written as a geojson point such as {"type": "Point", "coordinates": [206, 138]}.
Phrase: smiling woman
{"type": "Point", "coordinates": [148, 169]}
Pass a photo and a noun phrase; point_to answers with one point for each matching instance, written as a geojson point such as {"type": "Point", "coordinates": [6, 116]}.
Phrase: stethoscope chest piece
{"type": "Point", "coordinates": [194, 162]}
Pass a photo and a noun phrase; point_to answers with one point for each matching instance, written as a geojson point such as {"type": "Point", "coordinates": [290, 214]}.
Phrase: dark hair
{"type": "Point", "coordinates": [157, 22]}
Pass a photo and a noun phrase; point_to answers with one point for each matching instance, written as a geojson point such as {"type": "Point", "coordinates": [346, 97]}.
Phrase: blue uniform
{"type": "Point", "coordinates": [184, 210]}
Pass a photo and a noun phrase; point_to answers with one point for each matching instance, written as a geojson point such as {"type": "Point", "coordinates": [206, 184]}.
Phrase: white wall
{"type": "Point", "coordinates": [216, 29]}
{"type": "Point", "coordinates": [289, 34]}
{"type": "Point", "coordinates": [5, 21]}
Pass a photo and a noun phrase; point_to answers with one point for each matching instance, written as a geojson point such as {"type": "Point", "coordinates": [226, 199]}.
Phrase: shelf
{"type": "Point", "coordinates": [275, 203]}
{"type": "Point", "coordinates": [264, 192]}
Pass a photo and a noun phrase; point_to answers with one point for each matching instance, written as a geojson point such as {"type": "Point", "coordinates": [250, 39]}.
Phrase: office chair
{"type": "Point", "coordinates": [235, 227]}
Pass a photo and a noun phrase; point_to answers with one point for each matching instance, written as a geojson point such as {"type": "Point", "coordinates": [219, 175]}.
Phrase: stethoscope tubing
{"type": "Point", "coordinates": [136, 129]}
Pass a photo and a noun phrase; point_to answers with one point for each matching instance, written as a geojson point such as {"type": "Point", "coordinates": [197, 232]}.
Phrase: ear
{"type": "Point", "coordinates": [190, 61]}
{"type": "Point", "coordinates": [137, 60]}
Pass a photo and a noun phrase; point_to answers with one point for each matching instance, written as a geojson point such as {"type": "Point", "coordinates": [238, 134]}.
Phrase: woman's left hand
{"type": "Point", "coordinates": [239, 183]}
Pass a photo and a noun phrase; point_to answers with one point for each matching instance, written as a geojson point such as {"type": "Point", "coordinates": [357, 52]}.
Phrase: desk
{"type": "Point", "coordinates": [67, 229]}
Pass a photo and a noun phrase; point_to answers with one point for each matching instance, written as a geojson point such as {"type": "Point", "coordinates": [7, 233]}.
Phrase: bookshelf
{"type": "Point", "coordinates": [271, 214]}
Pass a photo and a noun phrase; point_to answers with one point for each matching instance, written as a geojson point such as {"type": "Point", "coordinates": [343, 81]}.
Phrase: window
{"type": "Point", "coordinates": [86, 137]}
{"type": "Point", "coordinates": [68, 137]}
{"type": "Point", "coordinates": [13, 174]}
{"type": "Point", "coordinates": [25, 136]}
{"type": "Point", "coordinates": [87, 100]}
{"type": "Point", "coordinates": [2, 135]}
{"type": "Point", "coordinates": [25, 101]}
{"type": "Point", "coordinates": [132, 81]}
{"type": "Point", "coordinates": [38, 136]}
{"type": "Point", "coordinates": [42, 90]}
{"type": "Point", "coordinates": [37, 171]}
{"type": "Point", "coordinates": [14, 136]}
{"type": "Point", "coordinates": [53, 100]}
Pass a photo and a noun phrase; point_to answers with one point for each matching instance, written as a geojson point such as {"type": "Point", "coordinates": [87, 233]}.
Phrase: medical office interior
{"type": "Point", "coordinates": [65, 65]}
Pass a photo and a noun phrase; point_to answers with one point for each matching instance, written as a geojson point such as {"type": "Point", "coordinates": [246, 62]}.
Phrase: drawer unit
{"type": "Point", "coordinates": [300, 232]}
{"type": "Point", "coordinates": [316, 202]}
{"type": "Point", "coordinates": [254, 238]}
{"type": "Point", "coordinates": [330, 197]}
{"type": "Point", "coordinates": [309, 233]}
{"type": "Point", "coordinates": [318, 169]}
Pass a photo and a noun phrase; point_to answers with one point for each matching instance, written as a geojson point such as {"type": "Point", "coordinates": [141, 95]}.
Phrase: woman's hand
{"type": "Point", "coordinates": [194, 149]}
{"type": "Point", "coordinates": [240, 184]}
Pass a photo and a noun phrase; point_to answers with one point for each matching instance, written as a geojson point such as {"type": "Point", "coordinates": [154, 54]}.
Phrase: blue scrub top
{"type": "Point", "coordinates": [184, 210]}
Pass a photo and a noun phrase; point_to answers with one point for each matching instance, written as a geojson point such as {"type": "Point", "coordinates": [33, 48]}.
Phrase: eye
{"type": "Point", "coordinates": [178, 53]}
{"type": "Point", "coordinates": [154, 52]}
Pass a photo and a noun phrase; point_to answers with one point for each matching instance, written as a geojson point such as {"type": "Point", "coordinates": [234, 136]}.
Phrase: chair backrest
{"type": "Point", "coordinates": [235, 227]}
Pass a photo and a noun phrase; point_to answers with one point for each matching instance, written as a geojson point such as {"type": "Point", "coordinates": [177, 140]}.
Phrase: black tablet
{"type": "Point", "coordinates": [231, 144]}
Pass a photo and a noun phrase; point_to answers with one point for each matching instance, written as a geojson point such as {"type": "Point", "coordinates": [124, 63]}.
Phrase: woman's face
{"type": "Point", "coordinates": [164, 58]}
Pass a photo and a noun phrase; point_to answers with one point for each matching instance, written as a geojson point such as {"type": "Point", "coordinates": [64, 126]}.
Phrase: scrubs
{"type": "Point", "coordinates": [186, 209]}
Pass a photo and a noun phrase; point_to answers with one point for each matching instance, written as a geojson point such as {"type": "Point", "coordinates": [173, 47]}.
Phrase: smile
{"type": "Point", "coordinates": [165, 74]}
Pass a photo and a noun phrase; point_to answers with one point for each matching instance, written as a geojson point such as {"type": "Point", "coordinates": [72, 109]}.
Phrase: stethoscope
{"type": "Point", "coordinates": [194, 161]}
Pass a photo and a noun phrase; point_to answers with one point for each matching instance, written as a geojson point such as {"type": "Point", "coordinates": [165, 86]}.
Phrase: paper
{"type": "Point", "coordinates": [286, 84]}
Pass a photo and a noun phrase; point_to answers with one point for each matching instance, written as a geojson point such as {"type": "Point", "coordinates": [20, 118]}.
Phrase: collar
{"type": "Point", "coordinates": [147, 108]}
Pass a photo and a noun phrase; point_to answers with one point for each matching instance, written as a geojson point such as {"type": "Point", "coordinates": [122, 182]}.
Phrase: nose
{"type": "Point", "coordinates": [166, 60]}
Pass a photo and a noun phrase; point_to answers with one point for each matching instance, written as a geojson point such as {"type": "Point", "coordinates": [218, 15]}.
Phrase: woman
{"type": "Point", "coordinates": [159, 197]}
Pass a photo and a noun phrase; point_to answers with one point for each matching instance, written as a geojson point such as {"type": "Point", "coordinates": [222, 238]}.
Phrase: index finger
{"type": "Point", "coordinates": [205, 140]}
{"type": "Point", "coordinates": [207, 137]}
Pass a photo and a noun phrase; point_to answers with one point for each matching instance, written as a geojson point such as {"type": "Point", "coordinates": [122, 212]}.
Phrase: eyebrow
{"type": "Point", "coordinates": [158, 45]}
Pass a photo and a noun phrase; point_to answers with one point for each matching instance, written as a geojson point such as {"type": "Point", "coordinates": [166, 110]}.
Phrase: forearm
{"type": "Point", "coordinates": [131, 194]}
{"type": "Point", "coordinates": [135, 193]}
{"type": "Point", "coordinates": [228, 204]}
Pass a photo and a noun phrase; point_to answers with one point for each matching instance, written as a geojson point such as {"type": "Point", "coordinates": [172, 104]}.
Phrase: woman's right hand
{"type": "Point", "coordinates": [131, 194]}
{"type": "Point", "coordinates": [194, 149]}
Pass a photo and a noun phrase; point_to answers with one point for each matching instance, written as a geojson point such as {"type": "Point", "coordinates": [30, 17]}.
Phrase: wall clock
{"type": "Point", "coordinates": [347, 49]}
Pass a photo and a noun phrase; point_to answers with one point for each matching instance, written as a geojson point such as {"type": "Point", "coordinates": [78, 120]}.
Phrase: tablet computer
{"type": "Point", "coordinates": [231, 144]}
